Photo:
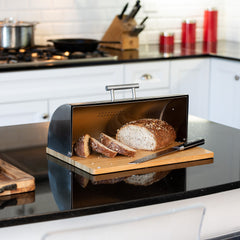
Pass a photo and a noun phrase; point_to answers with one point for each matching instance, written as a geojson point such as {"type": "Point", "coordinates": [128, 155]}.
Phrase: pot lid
{"type": "Point", "coordinates": [10, 22]}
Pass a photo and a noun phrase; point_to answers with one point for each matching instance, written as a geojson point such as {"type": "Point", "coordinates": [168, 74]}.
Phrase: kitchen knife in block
{"type": "Point", "coordinates": [180, 147]}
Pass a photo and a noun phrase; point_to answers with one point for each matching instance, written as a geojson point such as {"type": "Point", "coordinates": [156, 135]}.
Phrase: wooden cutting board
{"type": "Point", "coordinates": [97, 164]}
{"type": "Point", "coordinates": [14, 180]}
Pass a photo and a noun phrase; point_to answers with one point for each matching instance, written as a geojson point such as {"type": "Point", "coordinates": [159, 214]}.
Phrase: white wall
{"type": "Point", "coordinates": [90, 18]}
{"type": "Point", "coordinates": [232, 20]}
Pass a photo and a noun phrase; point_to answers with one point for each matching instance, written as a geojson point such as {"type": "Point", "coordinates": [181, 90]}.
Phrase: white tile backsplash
{"type": "Point", "coordinates": [91, 18]}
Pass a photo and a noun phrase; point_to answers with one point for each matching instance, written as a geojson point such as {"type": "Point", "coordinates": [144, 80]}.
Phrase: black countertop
{"type": "Point", "coordinates": [148, 52]}
{"type": "Point", "coordinates": [63, 191]}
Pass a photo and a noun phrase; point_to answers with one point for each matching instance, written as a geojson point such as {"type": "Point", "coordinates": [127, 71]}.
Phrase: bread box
{"type": "Point", "coordinates": [71, 121]}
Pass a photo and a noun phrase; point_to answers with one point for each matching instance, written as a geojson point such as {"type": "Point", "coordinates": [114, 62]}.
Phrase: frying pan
{"type": "Point", "coordinates": [78, 44]}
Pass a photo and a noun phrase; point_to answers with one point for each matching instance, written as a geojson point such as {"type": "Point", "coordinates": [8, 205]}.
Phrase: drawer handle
{"type": "Point", "coordinates": [237, 77]}
{"type": "Point", "coordinates": [113, 88]}
{"type": "Point", "coordinates": [45, 116]}
{"type": "Point", "coordinates": [146, 76]}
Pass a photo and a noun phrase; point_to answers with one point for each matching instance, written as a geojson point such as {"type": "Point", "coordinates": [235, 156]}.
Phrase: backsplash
{"type": "Point", "coordinates": [91, 18]}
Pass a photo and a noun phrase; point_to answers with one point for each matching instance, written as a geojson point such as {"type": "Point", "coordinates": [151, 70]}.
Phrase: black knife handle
{"type": "Point", "coordinates": [143, 21]}
{"type": "Point", "coordinates": [191, 144]}
{"type": "Point", "coordinates": [123, 11]}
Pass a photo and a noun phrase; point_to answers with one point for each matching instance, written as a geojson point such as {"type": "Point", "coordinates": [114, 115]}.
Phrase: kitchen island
{"type": "Point", "coordinates": [65, 192]}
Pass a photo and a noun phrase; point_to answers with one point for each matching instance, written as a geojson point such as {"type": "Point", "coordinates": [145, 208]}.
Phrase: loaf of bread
{"type": "Point", "coordinates": [81, 147]}
{"type": "Point", "coordinates": [146, 134]}
{"type": "Point", "coordinates": [100, 148]}
{"type": "Point", "coordinates": [116, 145]}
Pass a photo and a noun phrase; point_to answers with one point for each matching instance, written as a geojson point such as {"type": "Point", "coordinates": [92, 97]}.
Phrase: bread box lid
{"type": "Point", "coordinates": [70, 121]}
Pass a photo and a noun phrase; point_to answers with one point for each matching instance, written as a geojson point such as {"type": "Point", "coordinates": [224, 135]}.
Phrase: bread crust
{"type": "Point", "coordinates": [100, 148]}
{"type": "Point", "coordinates": [81, 147]}
{"type": "Point", "coordinates": [117, 146]}
{"type": "Point", "coordinates": [164, 134]}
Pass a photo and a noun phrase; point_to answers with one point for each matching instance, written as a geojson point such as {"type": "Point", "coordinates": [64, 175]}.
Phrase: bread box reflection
{"type": "Point", "coordinates": [73, 188]}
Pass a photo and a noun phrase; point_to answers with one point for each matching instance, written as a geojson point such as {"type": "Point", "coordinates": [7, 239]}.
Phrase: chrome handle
{"type": "Point", "coordinates": [236, 77]}
{"type": "Point", "coordinates": [45, 116]}
{"type": "Point", "coordinates": [146, 76]}
{"type": "Point", "coordinates": [113, 88]}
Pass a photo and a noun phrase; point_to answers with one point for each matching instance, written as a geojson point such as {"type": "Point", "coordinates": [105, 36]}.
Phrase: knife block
{"type": "Point", "coordinates": [120, 30]}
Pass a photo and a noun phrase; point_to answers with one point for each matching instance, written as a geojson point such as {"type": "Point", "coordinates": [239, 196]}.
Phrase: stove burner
{"type": "Point", "coordinates": [76, 55]}
{"type": "Point", "coordinates": [44, 53]}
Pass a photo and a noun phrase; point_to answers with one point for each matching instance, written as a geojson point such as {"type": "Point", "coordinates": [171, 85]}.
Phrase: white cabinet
{"type": "Point", "coordinates": [153, 77]}
{"type": "Point", "coordinates": [191, 76]}
{"type": "Point", "coordinates": [225, 92]}
{"type": "Point", "coordinates": [23, 112]}
{"type": "Point", "coordinates": [32, 96]}
{"type": "Point", "coordinates": [58, 83]}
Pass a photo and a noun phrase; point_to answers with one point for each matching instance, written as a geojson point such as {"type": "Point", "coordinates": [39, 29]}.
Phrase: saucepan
{"type": "Point", "coordinates": [16, 34]}
{"type": "Point", "coordinates": [79, 44]}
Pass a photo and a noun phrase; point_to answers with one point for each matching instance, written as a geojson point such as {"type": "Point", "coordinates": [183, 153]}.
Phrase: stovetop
{"type": "Point", "coordinates": [39, 55]}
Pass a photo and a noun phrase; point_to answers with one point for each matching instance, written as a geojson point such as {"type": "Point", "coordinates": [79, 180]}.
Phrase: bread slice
{"type": "Point", "coordinates": [81, 147]}
{"type": "Point", "coordinates": [100, 148]}
{"type": "Point", "coordinates": [116, 145]}
{"type": "Point", "coordinates": [146, 134]}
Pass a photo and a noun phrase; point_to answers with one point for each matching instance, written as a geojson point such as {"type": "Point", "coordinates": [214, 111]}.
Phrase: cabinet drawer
{"type": "Point", "coordinates": [57, 83]}
{"type": "Point", "coordinates": [149, 75]}
{"type": "Point", "coordinates": [23, 113]}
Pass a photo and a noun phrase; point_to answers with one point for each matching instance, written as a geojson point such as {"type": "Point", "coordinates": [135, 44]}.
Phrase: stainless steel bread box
{"type": "Point", "coordinates": [70, 121]}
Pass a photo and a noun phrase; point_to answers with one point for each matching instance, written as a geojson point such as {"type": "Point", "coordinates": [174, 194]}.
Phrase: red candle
{"type": "Point", "coordinates": [188, 32]}
{"type": "Point", "coordinates": [210, 25]}
{"type": "Point", "coordinates": [166, 42]}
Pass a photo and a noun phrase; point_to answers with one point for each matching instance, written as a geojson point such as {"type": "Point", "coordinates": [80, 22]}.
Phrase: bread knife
{"type": "Point", "coordinates": [181, 147]}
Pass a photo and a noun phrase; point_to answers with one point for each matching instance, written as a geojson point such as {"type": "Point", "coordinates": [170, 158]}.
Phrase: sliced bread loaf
{"type": "Point", "coordinates": [146, 134]}
{"type": "Point", "coordinates": [100, 148]}
{"type": "Point", "coordinates": [116, 145]}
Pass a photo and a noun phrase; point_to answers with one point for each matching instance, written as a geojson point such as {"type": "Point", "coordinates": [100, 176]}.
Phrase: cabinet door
{"type": "Point", "coordinates": [153, 77]}
{"type": "Point", "coordinates": [58, 83]}
{"type": "Point", "coordinates": [224, 93]}
{"type": "Point", "coordinates": [191, 77]}
{"type": "Point", "coordinates": [23, 112]}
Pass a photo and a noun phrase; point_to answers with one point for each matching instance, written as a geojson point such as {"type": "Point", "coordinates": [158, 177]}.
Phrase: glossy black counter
{"type": "Point", "coordinates": [222, 49]}
{"type": "Point", "coordinates": [63, 191]}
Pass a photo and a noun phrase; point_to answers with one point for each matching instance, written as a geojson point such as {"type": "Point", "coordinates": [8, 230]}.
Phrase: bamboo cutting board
{"type": "Point", "coordinates": [14, 180]}
{"type": "Point", "coordinates": [97, 164]}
